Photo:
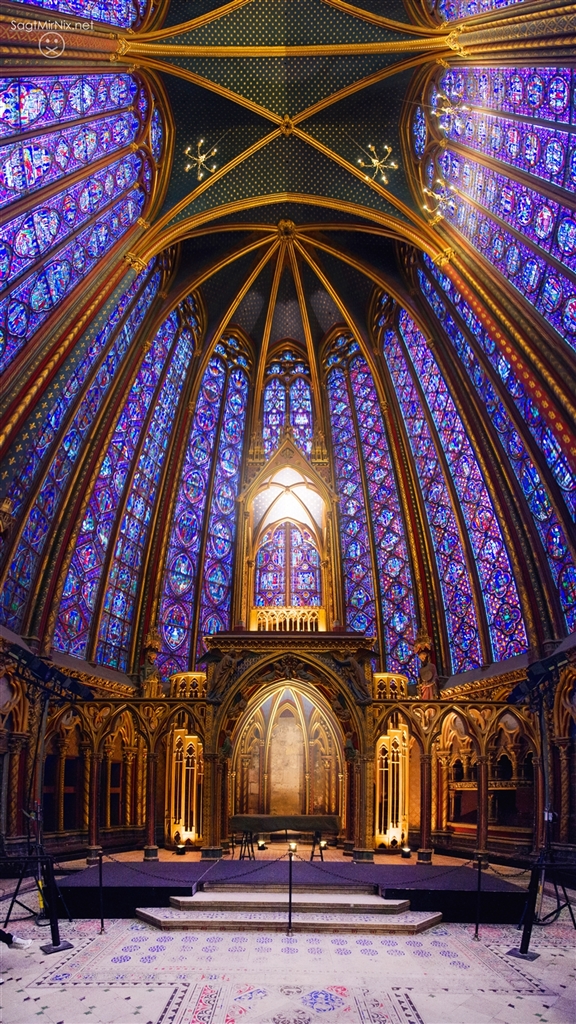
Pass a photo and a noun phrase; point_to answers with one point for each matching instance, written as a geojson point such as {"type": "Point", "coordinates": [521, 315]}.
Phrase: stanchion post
{"type": "Point", "coordinates": [57, 945]}
{"type": "Point", "coordinates": [290, 858]}
{"type": "Point", "coordinates": [478, 898]}
{"type": "Point", "coordinates": [528, 917]}
{"type": "Point", "coordinates": [101, 893]}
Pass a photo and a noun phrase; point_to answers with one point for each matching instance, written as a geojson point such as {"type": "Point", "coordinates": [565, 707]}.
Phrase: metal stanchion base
{"type": "Point", "coordinates": [361, 854]}
{"type": "Point", "coordinates": [150, 853]}
{"type": "Point", "coordinates": [92, 855]}
{"type": "Point", "coordinates": [424, 856]}
{"type": "Point", "coordinates": [522, 956]}
{"type": "Point", "coordinates": [50, 948]}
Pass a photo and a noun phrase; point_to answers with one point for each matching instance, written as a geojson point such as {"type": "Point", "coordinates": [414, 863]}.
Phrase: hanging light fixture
{"type": "Point", "coordinates": [377, 164]}
{"type": "Point", "coordinates": [198, 162]}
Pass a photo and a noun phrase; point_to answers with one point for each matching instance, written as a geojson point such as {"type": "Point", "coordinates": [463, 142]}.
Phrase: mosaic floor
{"type": "Point", "coordinates": [135, 973]}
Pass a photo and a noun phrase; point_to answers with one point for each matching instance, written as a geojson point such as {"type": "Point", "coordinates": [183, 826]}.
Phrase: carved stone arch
{"type": "Point", "coordinates": [469, 728]}
{"type": "Point", "coordinates": [324, 682]}
{"type": "Point", "coordinates": [524, 729]}
{"type": "Point", "coordinates": [168, 721]}
{"type": "Point", "coordinates": [565, 703]}
{"type": "Point", "coordinates": [112, 724]}
{"type": "Point", "coordinates": [381, 724]}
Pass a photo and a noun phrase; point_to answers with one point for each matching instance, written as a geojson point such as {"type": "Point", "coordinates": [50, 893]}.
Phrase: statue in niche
{"type": "Point", "coordinates": [355, 674]}
{"type": "Point", "coordinates": [349, 748]}
{"type": "Point", "coordinates": [226, 747]}
{"type": "Point", "coordinates": [225, 666]}
{"type": "Point", "coordinates": [150, 681]}
{"type": "Point", "coordinates": [428, 681]}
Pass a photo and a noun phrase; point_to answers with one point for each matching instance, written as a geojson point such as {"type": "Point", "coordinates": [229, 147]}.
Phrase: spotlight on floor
{"type": "Point", "coordinates": [323, 844]}
{"type": "Point", "coordinates": [262, 845]}
{"type": "Point", "coordinates": [292, 847]}
{"type": "Point", "coordinates": [180, 850]}
{"type": "Point", "coordinates": [406, 852]}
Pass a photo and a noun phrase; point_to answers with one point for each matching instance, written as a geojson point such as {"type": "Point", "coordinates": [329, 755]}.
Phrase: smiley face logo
{"type": "Point", "coordinates": [51, 45]}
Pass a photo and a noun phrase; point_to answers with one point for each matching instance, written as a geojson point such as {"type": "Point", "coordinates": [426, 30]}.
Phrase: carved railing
{"type": "Point", "coordinates": [390, 686]}
{"type": "Point", "coordinates": [191, 685]}
{"type": "Point", "coordinates": [282, 619]}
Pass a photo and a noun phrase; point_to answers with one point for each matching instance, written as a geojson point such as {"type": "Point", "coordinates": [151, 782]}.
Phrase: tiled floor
{"type": "Point", "coordinates": [135, 973]}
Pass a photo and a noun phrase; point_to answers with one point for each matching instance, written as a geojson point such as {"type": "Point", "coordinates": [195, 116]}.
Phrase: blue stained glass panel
{"type": "Point", "coordinates": [301, 414]}
{"type": "Point", "coordinates": [398, 609]}
{"type": "Point", "coordinates": [180, 575]}
{"type": "Point", "coordinates": [123, 13]}
{"type": "Point", "coordinates": [270, 566]}
{"type": "Point", "coordinates": [32, 164]}
{"type": "Point", "coordinates": [545, 519]}
{"type": "Point", "coordinates": [46, 100]}
{"type": "Point", "coordinates": [81, 588]}
{"type": "Point", "coordinates": [419, 132]}
{"type": "Point", "coordinates": [503, 609]}
{"type": "Point", "coordinates": [117, 619]}
{"type": "Point", "coordinates": [453, 10]}
{"type": "Point", "coordinates": [453, 570]}
{"type": "Point", "coordinates": [274, 415]}
{"type": "Point", "coordinates": [543, 92]}
{"type": "Point", "coordinates": [305, 581]}
{"type": "Point", "coordinates": [354, 536]}
{"type": "Point", "coordinates": [44, 510]}
{"type": "Point", "coordinates": [29, 304]}
{"type": "Point", "coordinates": [544, 437]}
{"type": "Point", "coordinates": [216, 590]}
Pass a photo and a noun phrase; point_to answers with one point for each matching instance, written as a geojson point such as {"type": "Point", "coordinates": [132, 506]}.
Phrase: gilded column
{"type": "Point", "coordinates": [212, 780]}
{"type": "Point", "coordinates": [128, 757]}
{"type": "Point", "coordinates": [16, 745]}
{"type": "Point", "coordinates": [482, 811]}
{"type": "Point", "coordinates": [564, 814]}
{"type": "Point", "coordinates": [425, 851]}
{"type": "Point", "coordinates": [140, 788]}
{"type": "Point", "coordinates": [94, 847]}
{"type": "Point", "coordinates": [86, 754]}
{"type": "Point", "coordinates": [444, 761]}
{"type": "Point", "coordinates": [151, 849]}
{"type": "Point", "coordinates": [61, 746]}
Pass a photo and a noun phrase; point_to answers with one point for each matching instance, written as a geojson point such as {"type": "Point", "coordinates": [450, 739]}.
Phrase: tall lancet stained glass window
{"type": "Point", "coordinates": [287, 402]}
{"type": "Point", "coordinates": [369, 505]}
{"type": "Point", "coordinates": [99, 127]}
{"type": "Point", "coordinates": [504, 177]}
{"type": "Point", "coordinates": [539, 504]}
{"type": "Point", "coordinates": [418, 379]}
{"type": "Point", "coordinates": [287, 568]}
{"type": "Point", "coordinates": [120, 507]}
{"type": "Point", "coordinates": [60, 441]}
{"type": "Point", "coordinates": [122, 13]}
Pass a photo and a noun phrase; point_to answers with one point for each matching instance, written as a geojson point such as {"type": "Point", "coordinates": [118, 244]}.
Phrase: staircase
{"type": "Point", "coordinates": [221, 906]}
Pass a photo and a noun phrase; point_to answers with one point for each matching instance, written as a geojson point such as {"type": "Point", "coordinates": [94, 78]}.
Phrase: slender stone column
{"type": "Point", "coordinates": [108, 773]}
{"type": "Point", "coordinates": [151, 850]}
{"type": "Point", "coordinates": [140, 788]}
{"type": "Point", "coordinates": [444, 760]}
{"type": "Point", "coordinates": [564, 815]}
{"type": "Point", "coordinates": [129, 756]}
{"type": "Point", "coordinates": [212, 785]}
{"type": "Point", "coordinates": [61, 746]}
{"type": "Point", "coordinates": [86, 753]}
{"type": "Point", "coordinates": [16, 745]}
{"type": "Point", "coordinates": [425, 852]}
{"type": "Point", "coordinates": [350, 786]}
{"type": "Point", "coordinates": [94, 847]}
{"type": "Point", "coordinates": [364, 848]}
{"type": "Point", "coordinates": [482, 812]}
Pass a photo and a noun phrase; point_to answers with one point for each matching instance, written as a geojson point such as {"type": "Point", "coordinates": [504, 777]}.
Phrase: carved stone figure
{"type": "Point", "coordinates": [355, 674]}
{"type": "Point", "coordinates": [150, 681]}
{"type": "Point", "coordinates": [428, 684]}
{"type": "Point", "coordinates": [225, 666]}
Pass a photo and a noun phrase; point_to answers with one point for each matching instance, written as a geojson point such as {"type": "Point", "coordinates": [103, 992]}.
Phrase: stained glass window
{"type": "Point", "coordinates": [504, 614]}
{"type": "Point", "coordinates": [62, 442]}
{"type": "Point", "coordinates": [82, 583]}
{"type": "Point", "coordinates": [123, 13]}
{"type": "Point", "coordinates": [274, 414]}
{"type": "Point", "coordinates": [452, 10]}
{"type": "Point", "coordinates": [179, 583]}
{"type": "Point", "coordinates": [519, 117]}
{"type": "Point", "coordinates": [216, 591]}
{"type": "Point", "coordinates": [396, 593]}
{"type": "Point", "coordinates": [301, 414]}
{"type": "Point", "coordinates": [270, 566]}
{"type": "Point", "coordinates": [117, 618]}
{"type": "Point", "coordinates": [545, 519]}
{"type": "Point", "coordinates": [305, 586]}
{"type": "Point", "coordinates": [528, 410]}
{"type": "Point", "coordinates": [82, 123]}
{"type": "Point", "coordinates": [287, 399]}
{"type": "Point", "coordinates": [419, 132]}
{"type": "Point", "coordinates": [354, 535]}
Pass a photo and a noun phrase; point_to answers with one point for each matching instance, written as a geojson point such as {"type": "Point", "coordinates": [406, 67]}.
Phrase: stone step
{"type": "Point", "coordinates": [303, 902]}
{"type": "Point", "coordinates": [367, 889]}
{"type": "Point", "coordinates": [169, 919]}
